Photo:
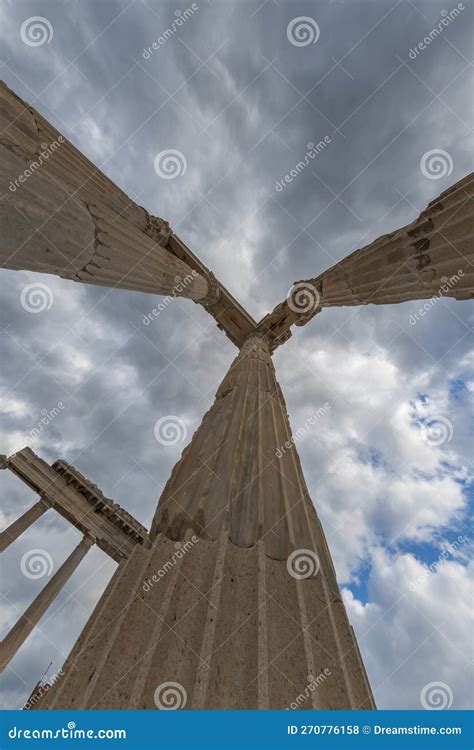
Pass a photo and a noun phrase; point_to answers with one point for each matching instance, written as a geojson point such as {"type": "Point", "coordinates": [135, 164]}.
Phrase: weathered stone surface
{"type": "Point", "coordinates": [67, 218]}
{"type": "Point", "coordinates": [81, 502]}
{"type": "Point", "coordinates": [214, 605]}
{"type": "Point", "coordinates": [432, 256]}
{"type": "Point", "coordinates": [227, 623]}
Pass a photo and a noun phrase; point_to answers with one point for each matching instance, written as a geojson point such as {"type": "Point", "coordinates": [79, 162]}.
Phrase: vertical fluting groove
{"type": "Point", "coordinates": [204, 669]}
{"type": "Point", "coordinates": [231, 498]}
{"type": "Point", "coordinates": [141, 672]}
{"type": "Point", "coordinates": [111, 642]}
{"type": "Point", "coordinates": [327, 569]}
{"type": "Point", "coordinates": [260, 491]}
{"type": "Point", "coordinates": [340, 652]}
{"type": "Point", "coordinates": [370, 698]}
{"type": "Point", "coordinates": [87, 632]}
{"type": "Point", "coordinates": [262, 665]}
{"type": "Point", "coordinates": [302, 613]}
{"type": "Point", "coordinates": [281, 475]}
{"type": "Point", "coordinates": [225, 438]}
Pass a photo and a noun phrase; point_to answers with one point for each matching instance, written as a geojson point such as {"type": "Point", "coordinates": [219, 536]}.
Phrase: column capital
{"type": "Point", "coordinates": [257, 341]}
{"type": "Point", "coordinates": [88, 540]}
{"type": "Point", "coordinates": [213, 291]}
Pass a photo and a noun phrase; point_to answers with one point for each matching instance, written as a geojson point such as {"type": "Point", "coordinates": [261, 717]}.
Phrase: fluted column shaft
{"type": "Point", "coordinates": [432, 256]}
{"type": "Point", "coordinates": [60, 215]}
{"type": "Point", "coordinates": [21, 524]}
{"type": "Point", "coordinates": [235, 603]}
{"type": "Point", "coordinates": [28, 621]}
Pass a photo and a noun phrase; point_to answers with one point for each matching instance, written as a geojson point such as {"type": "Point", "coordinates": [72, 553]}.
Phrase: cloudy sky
{"type": "Point", "coordinates": [240, 100]}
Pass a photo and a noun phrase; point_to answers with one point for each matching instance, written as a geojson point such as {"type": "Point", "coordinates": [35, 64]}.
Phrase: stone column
{"type": "Point", "coordinates": [432, 256]}
{"type": "Point", "coordinates": [235, 605]}
{"type": "Point", "coordinates": [61, 215]}
{"type": "Point", "coordinates": [28, 621]}
{"type": "Point", "coordinates": [21, 524]}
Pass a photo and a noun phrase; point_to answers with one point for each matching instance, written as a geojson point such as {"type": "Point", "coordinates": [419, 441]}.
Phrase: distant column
{"type": "Point", "coordinates": [28, 621]}
{"type": "Point", "coordinates": [21, 524]}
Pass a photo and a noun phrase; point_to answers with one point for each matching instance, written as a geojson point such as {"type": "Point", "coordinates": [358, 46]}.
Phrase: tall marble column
{"type": "Point", "coordinates": [428, 259]}
{"type": "Point", "coordinates": [29, 620]}
{"type": "Point", "coordinates": [236, 604]}
{"type": "Point", "coordinates": [21, 524]}
{"type": "Point", "coordinates": [59, 214]}
{"type": "Point", "coordinates": [431, 256]}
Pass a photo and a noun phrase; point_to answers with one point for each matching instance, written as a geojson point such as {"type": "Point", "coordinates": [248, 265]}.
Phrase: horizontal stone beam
{"type": "Point", "coordinates": [431, 257]}
{"type": "Point", "coordinates": [81, 503]}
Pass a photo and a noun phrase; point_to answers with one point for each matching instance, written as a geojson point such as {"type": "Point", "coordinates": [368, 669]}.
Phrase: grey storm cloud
{"type": "Point", "coordinates": [241, 102]}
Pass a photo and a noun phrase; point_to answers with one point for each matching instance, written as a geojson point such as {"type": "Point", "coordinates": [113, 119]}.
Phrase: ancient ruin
{"type": "Point", "coordinates": [248, 605]}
